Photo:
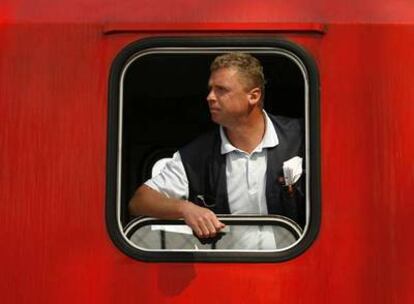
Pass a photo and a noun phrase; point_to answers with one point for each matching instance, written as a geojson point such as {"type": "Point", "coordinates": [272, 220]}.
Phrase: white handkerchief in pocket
{"type": "Point", "coordinates": [292, 170]}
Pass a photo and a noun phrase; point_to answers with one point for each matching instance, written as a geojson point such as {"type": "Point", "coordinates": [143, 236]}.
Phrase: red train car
{"type": "Point", "coordinates": [93, 94]}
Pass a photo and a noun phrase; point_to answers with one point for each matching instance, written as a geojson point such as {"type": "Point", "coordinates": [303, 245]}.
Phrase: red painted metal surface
{"type": "Point", "coordinates": [213, 27]}
{"type": "Point", "coordinates": [54, 67]}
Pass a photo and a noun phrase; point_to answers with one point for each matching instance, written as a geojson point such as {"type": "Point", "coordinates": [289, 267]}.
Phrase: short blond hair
{"type": "Point", "coordinates": [248, 66]}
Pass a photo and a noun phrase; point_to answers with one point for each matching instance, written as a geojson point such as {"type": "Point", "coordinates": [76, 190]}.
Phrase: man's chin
{"type": "Point", "coordinates": [215, 117]}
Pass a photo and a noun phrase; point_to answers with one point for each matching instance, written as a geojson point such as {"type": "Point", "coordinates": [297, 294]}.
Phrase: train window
{"type": "Point", "coordinates": [157, 105]}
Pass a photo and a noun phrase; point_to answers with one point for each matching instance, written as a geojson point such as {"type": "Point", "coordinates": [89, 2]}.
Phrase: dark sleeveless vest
{"type": "Point", "coordinates": [205, 167]}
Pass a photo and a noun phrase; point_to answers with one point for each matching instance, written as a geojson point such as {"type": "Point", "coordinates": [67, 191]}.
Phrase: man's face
{"type": "Point", "coordinates": [228, 98]}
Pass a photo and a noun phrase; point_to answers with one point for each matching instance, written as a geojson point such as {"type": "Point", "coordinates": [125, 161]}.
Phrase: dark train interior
{"type": "Point", "coordinates": [164, 107]}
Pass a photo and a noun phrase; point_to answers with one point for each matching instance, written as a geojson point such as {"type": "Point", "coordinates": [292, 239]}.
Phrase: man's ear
{"type": "Point", "coordinates": [255, 95]}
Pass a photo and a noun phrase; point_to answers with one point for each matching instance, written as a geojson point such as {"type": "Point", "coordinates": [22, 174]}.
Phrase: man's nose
{"type": "Point", "coordinates": [211, 97]}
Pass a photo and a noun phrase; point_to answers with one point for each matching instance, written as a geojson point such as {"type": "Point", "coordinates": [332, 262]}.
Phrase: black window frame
{"type": "Point", "coordinates": [311, 230]}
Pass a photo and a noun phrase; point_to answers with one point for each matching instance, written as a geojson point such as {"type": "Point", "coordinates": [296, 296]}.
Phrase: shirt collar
{"type": "Point", "coordinates": [269, 139]}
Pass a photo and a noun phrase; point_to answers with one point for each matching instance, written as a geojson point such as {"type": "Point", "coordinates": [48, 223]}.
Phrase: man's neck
{"type": "Point", "coordinates": [248, 133]}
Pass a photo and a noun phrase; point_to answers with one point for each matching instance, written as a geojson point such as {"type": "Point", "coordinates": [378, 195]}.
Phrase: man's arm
{"type": "Point", "coordinates": [149, 202]}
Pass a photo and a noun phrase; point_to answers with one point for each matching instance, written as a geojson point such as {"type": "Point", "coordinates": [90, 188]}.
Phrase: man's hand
{"type": "Point", "coordinates": [149, 202]}
{"type": "Point", "coordinates": [203, 221]}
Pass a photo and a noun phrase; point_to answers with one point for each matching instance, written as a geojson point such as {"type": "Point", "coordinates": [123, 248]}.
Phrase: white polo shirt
{"type": "Point", "coordinates": [245, 173]}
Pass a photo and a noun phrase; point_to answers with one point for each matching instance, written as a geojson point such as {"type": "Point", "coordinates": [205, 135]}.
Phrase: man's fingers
{"type": "Point", "coordinates": [211, 227]}
{"type": "Point", "coordinates": [218, 225]}
{"type": "Point", "coordinates": [203, 221]}
{"type": "Point", "coordinates": [208, 227]}
{"type": "Point", "coordinates": [196, 228]}
{"type": "Point", "coordinates": [205, 232]}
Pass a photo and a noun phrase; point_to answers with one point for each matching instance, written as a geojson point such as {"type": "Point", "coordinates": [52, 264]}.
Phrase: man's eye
{"type": "Point", "coordinates": [221, 90]}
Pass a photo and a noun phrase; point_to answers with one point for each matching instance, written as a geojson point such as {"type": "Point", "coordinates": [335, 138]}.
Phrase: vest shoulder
{"type": "Point", "coordinates": [287, 123]}
{"type": "Point", "coordinates": [201, 145]}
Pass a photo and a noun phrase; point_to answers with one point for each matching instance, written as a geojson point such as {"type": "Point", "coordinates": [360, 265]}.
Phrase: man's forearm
{"type": "Point", "coordinates": [149, 202]}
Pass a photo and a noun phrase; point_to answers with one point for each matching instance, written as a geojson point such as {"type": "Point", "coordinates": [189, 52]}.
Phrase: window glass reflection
{"type": "Point", "coordinates": [279, 234]}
